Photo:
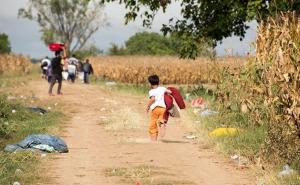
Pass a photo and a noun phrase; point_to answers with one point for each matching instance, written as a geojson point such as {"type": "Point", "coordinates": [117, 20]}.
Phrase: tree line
{"type": "Point", "coordinates": [152, 43]}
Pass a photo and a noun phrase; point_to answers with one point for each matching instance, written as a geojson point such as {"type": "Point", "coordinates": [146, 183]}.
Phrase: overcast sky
{"type": "Point", "coordinates": [25, 36]}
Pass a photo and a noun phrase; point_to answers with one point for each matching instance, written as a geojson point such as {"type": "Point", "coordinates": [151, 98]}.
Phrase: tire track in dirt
{"type": "Point", "coordinates": [94, 149]}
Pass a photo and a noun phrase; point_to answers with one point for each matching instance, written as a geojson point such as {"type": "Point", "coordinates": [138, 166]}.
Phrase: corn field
{"type": "Point", "coordinates": [14, 64]}
{"type": "Point", "coordinates": [171, 70]}
{"type": "Point", "coordinates": [278, 52]}
{"type": "Point", "coordinates": [268, 88]}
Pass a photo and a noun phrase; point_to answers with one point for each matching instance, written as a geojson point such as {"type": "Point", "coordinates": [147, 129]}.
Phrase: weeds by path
{"type": "Point", "coordinates": [16, 122]}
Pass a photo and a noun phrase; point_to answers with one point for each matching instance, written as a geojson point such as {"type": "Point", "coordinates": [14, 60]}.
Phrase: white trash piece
{"type": "Point", "coordinates": [208, 112]}
{"type": "Point", "coordinates": [191, 137]}
{"type": "Point", "coordinates": [18, 171]}
{"type": "Point", "coordinates": [286, 171]}
{"type": "Point", "coordinates": [43, 155]}
{"type": "Point", "coordinates": [13, 111]}
{"type": "Point", "coordinates": [110, 84]}
{"type": "Point", "coordinates": [16, 183]}
{"type": "Point", "coordinates": [235, 157]}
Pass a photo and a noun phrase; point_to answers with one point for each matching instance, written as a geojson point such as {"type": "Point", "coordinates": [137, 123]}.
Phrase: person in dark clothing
{"type": "Point", "coordinates": [56, 70]}
{"type": "Point", "coordinates": [87, 69]}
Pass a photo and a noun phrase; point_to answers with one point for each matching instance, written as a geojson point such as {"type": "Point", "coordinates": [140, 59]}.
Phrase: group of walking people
{"type": "Point", "coordinates": [60, 67]}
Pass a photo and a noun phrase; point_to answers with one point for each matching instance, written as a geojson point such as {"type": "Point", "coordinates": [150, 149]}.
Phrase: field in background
{"type": "Point", "coordinates": [16, 64]}
{"type": "Point", "coordinates": [171, 70]}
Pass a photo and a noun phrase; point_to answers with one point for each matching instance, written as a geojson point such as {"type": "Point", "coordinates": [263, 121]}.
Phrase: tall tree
{"type": "Point", "coordinates": [207, 19]}
{"type": "Point", "coordinates": [4, 44]}
{"type": "Point", "coordinates": [69, 21]}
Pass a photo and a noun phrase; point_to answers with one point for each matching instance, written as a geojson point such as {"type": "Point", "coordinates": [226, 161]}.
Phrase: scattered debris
{"type": "Point", "coordinates": [18, 171]}
{"type": "Point", "coordinates": [13, 111]}
{"type": "Point", "coordinates": [235, 157]}
{"type": "Point", "coordinates": [102, 117]}
{"type": "Point", "coordinates": [110, 84]}
{"type": "Point", "coordinates": [37, 110]}
{"type": "Point", "coordinates": [208, 112]}
{"type": "Point", "coordinates": [11, 98]}
{"type": "Point", "coordinates": [191, 137]}
{"type": "Point", "coordinates": [49, 108]}
{"type": "Point", "coordinates": [187, 96]}
{"type": "Point", "coordinates": [43, 155]}
{"type": "Point", "coordinates": [41, 142]}
{"type": "Point", "coordinates": [219, 132]}
{"type": "Point", "coordinates": [16, 183]}
{"type": "Point", "coordinates": [198, 103]}
{"type": "Point", "coordinates": [286, 171]}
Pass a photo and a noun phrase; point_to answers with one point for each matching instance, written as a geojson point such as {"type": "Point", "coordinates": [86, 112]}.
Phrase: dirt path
{"type": "Point", "coordinates": [125, 154]}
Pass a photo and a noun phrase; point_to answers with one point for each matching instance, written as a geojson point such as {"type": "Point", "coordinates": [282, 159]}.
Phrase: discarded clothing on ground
{"type": "Point", "coordinates": [43, 142]}
{"type": "Point", "coordinates": [37, 110]}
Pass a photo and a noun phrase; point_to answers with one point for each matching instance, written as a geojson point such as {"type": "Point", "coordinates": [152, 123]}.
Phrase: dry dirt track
{"type": "Point", "coordinates": [94, 149]}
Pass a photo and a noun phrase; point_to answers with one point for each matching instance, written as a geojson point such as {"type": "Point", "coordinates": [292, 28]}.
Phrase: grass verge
{"type": "Point", "coordinates": [17, 122]}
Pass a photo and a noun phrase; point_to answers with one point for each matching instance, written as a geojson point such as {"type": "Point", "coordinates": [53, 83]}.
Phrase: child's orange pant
{"type": "Point", "coordinates": [157, 115]}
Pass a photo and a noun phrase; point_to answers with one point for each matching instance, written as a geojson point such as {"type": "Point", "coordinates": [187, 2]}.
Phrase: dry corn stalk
{"type": "Point", "coordinates": [278, 44]}
{"type": "Point", "coordinates": [14, 64]}
{"type": "Point", "coordinates": [171, 70]}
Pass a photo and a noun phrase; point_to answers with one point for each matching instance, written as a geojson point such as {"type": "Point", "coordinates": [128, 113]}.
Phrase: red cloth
{"type": "Point", "coordinates": [169, 101]}
{"type": "Point", "coordinates": [56, 46]}
{"type": "Point", "coordinates": [177, 97]}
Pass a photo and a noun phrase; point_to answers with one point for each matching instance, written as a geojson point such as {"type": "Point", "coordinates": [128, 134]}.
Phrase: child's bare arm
{"type": "Point", "coordinates": [169, 91]}
{"type": "Point", "coordinates": [151, 101]}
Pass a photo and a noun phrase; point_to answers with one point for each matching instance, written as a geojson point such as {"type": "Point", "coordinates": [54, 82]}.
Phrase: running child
{"type": "Point", "coordinates": [157, 108]}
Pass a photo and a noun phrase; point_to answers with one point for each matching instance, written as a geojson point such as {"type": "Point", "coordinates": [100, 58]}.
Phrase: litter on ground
{"type": "Point", "coordinates": [198, 103]}
{"type": "Point", "coordinates": [110, 84]}
{"type": "Point", "coordinates": [208, 112]}
{"type": "Point", "coordinates": [18, 171]}
{"type": "Point", "coordinates": [37, 110]}
{"type": "Point", "coordinates": [219, 132]}
{"type": "Point", "coordinates": [235, 157]}
{"type": "Point", "coordinates": [42, 142]}
{"type": "Point", "coordinates": [190, 137]}
{"type": "Point", "coordinates": [43, 155]}
{"type": "Point", "coordinates": [286, 171]}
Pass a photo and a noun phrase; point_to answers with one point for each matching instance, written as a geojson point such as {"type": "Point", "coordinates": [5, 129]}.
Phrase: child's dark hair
{"type": "Point", "coordinates": [153, 80]}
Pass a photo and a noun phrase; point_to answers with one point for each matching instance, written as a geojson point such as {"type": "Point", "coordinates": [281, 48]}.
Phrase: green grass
{"type": "Point", "coordinates": [247, 142]}
{"type": "Point", "coordinates": [135, 89]}
{"type": "Point", "coordinates": [15, 126]}
{"type": "Point", "coordinates": [14, 79]}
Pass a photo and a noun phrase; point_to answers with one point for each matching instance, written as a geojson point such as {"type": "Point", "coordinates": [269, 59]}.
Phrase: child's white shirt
{"type": "Point", "coordinates": [158, 93]}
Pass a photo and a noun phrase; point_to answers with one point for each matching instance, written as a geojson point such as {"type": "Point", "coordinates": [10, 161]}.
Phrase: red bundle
{"type": "Point", "coordinates": [56, 46]}
{"type": "Point", "coordinates": [169, 101]}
